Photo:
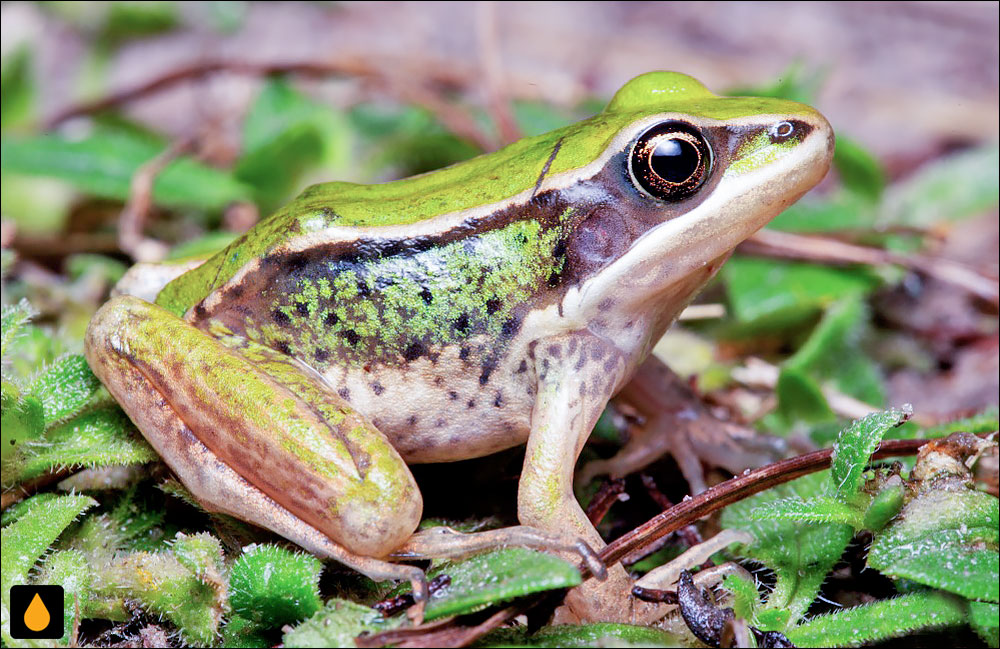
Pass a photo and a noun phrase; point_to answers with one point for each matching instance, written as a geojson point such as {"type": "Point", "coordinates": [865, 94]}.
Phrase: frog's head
{"type": "Point", "coordinates": [686, 176]}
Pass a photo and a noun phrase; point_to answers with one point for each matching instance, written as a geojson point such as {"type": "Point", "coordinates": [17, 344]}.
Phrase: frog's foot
{"type": "Point", "coordinates": [446, 543]}
{"type": "Point", "coordinates": [678, 423]}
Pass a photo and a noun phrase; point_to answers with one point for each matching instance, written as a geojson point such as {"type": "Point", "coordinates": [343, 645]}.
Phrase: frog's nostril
{"type": "Point", "coordinates": [781, 131]}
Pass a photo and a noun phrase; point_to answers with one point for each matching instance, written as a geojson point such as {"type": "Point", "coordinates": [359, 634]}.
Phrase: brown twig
{"type": "Point", "coordinates": [29, 487]}
{"type": "Point", "coordinates": [133, 216]}
{"type": "Point", "coordinates": [787, 245]}
{"type": "Point", "coordinates": [606, 496]}
{"type": "Point", "coordinates": [445, 634]}
{"type": "Point", "coordinates": [456, 120]}
{"type": "Point", "coordinates": [736, 489]}
{"type": "Point", "coordinates": [493, 78]}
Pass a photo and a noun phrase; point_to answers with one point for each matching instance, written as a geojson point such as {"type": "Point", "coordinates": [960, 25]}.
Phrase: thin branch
{"type": "Point", "coordinates": [734, 490]}
{"type": "Point", "coordinates": [787, 245]}
{"type": "Point", "coordinates": [132, 220]}
{"type": "Point", "coordinates": [456, 120]}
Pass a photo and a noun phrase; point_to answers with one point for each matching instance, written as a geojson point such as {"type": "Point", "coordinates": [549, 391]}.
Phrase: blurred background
{"type": "Point", "coordinates": [133, 129]}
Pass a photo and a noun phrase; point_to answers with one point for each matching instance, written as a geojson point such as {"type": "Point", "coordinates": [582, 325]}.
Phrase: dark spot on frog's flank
{"type": "Point", "coordinates": [200, 311]}
{"type": "Point", "coordinates": [463, 353]}
{"type": "Point", "coordinates": [302, 308]}
{"type": "Point", "coordinates": [280, 317]}
{"type": "Point", "coordinates": [296, 263]}
{"type": "Point", "coordinates": [471, 404]}
{"type": "Point", "coordinates": [363, 290]}
{"type": "Point", "coordinates": [554, 351]}
{"type": "Point", "coordinates": [498, 401]}
{"type": "Point", "coordinates": [236, 291]}
{"type": "Point", "coordinates": [462, 324]}
{"type": "Point", "coordinates": [523, 367]}
{"type": "Point", "coordinates": [580, 362]}
{"type": "Point", "coordinates": [489, 365]}
{"type": "Point", "coordinates": [412, 421]}
{"type": "Point", "coordinates": [283, 347]}
{"type": "Point", "coordinates": [377, 388]}
{"type": "Point", "coordinates": [554, 279]}
{"type": "Point", "coordinates": [629, 324]}
{"type": "Point", "coordinates": [605, 304]}
{"type": "Point", "coordinates": [344, 393]}
{"type": "Point", "coordinates": [452, 395]}
{"type": "Point", "coordinates": [438, 380]}
{"type": "Point", "coordinates": [321, 355]}
{"type": "Point", "coordinates": [440, 423]}
{"type": "Point", "coordinates": [597, 353]}
{"type": "Point", "coordinates": [352, 336]}
{"type": "Point", "coordinates": [492, 305]}
{"type": "Point", "coordinates": [609, 365]}
{"type": "Point", "coordinates": [426, 295]}
{"type": "Point", "coordinates": [414, 351]}
{"type": "Point", "coordinates": [331, 319]}
{"type": "Point", "coordinates": [545, 367]}
{"type": "Point", "coordinates": [572, 345]}
{"type": "Point", "coordinates": [509, 327]}
{"type": "Point", "coordinates": [560, 248]}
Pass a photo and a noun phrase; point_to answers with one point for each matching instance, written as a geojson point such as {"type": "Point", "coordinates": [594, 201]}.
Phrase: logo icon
{"type": "Point", "coordinates": [36, 612]}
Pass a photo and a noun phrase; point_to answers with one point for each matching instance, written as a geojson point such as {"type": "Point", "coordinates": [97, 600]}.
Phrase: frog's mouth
{"type": "Point", "coordinates": [660, 264]}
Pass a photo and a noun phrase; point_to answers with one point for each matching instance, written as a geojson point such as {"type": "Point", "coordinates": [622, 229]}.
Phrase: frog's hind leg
{"type": "Point", "coordinates": [254, 434]}
{"type": "Point", "coordinates": [677, 422]}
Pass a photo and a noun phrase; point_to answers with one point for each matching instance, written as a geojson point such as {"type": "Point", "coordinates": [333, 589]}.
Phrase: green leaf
{"type": "Point", "coordinates": [842, 210]}
{"type": "Point", "coordinates": [285, 135]}
{"type": "Point", "coordinates": [71, 570]}
{"type": "Point", "coordinates": [775, 293]}
{"type": "Point", "coordinates": [17, 89]}
{"type": "Point", "coordinates": [884, 507]}
{"type": "Point", "coordinates": [800, 398]}
{"type": "Point", "coordinates": [272, 586]}
{"type": "Point", "coordinates": [834, 352]}
{"type": "Point", "coordinates": [746, 599]}
{"type": "Point", "coordinates": [881, 620]}
{"type": "Point", "coordinates": [855, 446]}
{"type": "Point", "coordinates": [801, 554]}
{"type": "Point", "coordinates": [104, 163]}
{"type": "Point", "coordinates": [585, 635]}
{"type": "Point", "coordinates": [945, 539]}
{"type": "Point", "coordinates": [984, 617]}
{"type": "Point", "coordinates": [859, 170]}
{"type": "Point", "coordinates": [102, 437]}
{"type": "Point", "coordinates": [26, 539]}
{"type": "Point", "coordinates": [948, 189]}
{"type": "Point", "coordinates": [65, 387]}
{"type": "Point", "coordinates": [984, 422]}
{"type": "Point", "coordinates": [183, 585]}
{"type": "Point", "coordinates": [337, 624]}
{"type": "Point", "coordinates": [819, 509]}
{"type": "Point", "coordinates": [498, 576]}
{"type": "Point", "coordinates": [13, 319]}
{"type": "Point", "coordinates": [22, 420]}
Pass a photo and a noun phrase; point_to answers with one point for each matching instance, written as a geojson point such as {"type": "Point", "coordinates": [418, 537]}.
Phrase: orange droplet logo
{"type": "Point", "coordinates": [36, 616]}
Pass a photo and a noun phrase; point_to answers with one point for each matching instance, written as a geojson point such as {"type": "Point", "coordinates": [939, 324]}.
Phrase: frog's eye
{"type": "Point", "coordinates": [670, 161]}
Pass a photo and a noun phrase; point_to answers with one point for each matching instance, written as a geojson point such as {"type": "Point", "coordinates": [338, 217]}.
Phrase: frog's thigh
{"type": "Point", "coordinates": [261, 422]}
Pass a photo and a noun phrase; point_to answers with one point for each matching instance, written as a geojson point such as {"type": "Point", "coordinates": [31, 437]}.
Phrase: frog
{"type": "Point", "coordinates": [292, 378]}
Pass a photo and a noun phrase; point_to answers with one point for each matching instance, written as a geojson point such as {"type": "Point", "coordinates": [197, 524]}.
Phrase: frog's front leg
{"type": "Point", "coordinates": [577, 374]}
{"type": "Point", "coordinates": [255, 434]}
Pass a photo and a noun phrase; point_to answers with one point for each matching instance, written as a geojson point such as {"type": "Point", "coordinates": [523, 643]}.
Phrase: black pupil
{"type": "Point", "coordinates": [674, 160]}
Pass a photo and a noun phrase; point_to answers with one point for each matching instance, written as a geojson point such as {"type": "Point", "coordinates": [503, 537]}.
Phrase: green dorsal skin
{"type": "Point", "coordinates": [485, 180]}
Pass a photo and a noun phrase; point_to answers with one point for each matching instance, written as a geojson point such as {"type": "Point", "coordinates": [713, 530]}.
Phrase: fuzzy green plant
{"type": "Point", "coordinates": [935, 534]}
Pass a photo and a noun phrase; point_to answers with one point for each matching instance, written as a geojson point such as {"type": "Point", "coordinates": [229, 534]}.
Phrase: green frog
{"type": "Point", "coordinates": [291, 378]}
